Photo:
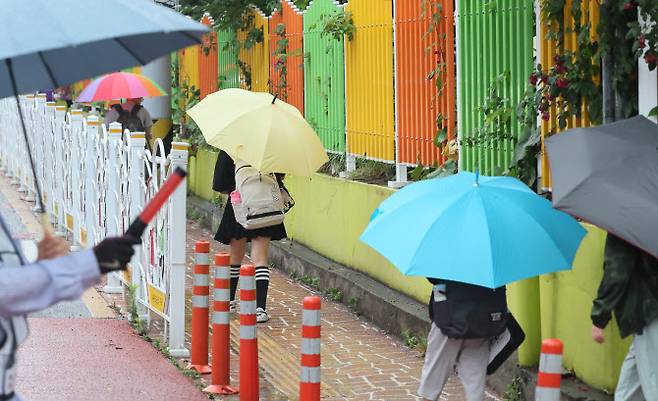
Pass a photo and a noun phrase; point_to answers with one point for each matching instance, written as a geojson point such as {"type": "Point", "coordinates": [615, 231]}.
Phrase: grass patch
{"type": "Point", "coordinates": [514, 391]}
{"type": "Point", "coordinates": [372, 172]}
{"type": "Point", "coordinates": [334, 294]}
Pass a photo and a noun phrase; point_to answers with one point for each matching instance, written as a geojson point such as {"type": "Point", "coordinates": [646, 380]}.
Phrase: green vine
{"type": "Point", "coordinates": [337, 25]}
{"type": "Point", "coordinates": [572, 79]}
{"type": "Point", "coordinates": [645, 34]}
{"type": "Point", "coordinates": [498, 112]}
{"type": "Point", "coordinates": [435, 10]}
{"type": "Point", "coordinates": [184, 97]}
{"type": "Point", "coordinates": [281, 62]}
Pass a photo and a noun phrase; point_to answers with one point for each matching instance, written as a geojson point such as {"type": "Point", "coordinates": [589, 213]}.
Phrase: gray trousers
{"type": "Point", "coordinates": [638, 380]}
{"type": "Point", "coordinates": [445, 355]}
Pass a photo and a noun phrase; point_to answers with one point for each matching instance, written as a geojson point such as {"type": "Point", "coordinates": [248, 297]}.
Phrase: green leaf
{"type": "Point", "coordinates": [441, 136]}
{"type": "Point", "coordinates": [654, 112]}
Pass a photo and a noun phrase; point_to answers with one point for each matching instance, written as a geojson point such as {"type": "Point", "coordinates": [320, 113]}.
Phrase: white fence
{"type": "Point", "coordinates": [95, 181]}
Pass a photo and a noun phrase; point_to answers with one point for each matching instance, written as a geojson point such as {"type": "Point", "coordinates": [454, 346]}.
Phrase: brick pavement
{"type": "Point", "coordinates": [359, 361]}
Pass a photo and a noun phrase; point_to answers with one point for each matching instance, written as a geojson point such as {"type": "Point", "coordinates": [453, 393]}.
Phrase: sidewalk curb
{"type": "Point", "coordinates": [388, 309]}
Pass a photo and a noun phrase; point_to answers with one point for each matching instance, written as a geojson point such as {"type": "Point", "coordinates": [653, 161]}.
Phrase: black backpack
{"type": "Point", "coordinates": [470, 311]}
{"type": "Point", "coordinates": [129, 119]}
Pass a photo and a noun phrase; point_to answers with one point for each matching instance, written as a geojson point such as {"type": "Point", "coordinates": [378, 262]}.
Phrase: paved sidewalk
{"type": "Point", "coordinates": [359, 361]}
{"type": "Point", "coordinates": [102, 359]}
{"type": "Point", "coordinates": [96, 359]}
{"type": "Point", "coordinates": [80, 351]}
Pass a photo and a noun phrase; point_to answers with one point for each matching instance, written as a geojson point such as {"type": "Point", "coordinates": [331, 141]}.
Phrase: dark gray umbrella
{"type": "Point", "coordinates": [608, 176]}
{"type": "Point", "coordinates": [55, 43]}
{"type": "Point", "coordinates": [52, 43]}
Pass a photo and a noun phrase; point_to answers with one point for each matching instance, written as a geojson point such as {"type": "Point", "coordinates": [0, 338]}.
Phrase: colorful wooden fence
{"type": "Point", "coordinates": [227, 57]}
{"type": "Point", "coordinates": [324, 100]}
{"type": "Point", "coordinates": [287, 69]}
{"type": "Point", "coordinates": [493, 38]}
{"type": "Point", "coordinates": [425, 78]}
{"type": "Point", "coordinates": [255, 60]}
{"type": "Point", "coordinates": [369, 81]}
{"type": "Point", "coordinates": [188, 67]}
{"type": "Point", "coordinates": [547, 50]}
{"type": "Point", "coordinates": [386, 93]}
{"type": "Point", "coordinates": [208, 60]}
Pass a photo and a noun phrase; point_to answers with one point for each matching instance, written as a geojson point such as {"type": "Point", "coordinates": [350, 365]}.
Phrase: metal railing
{"type": "Point", "coordinates": [95, 181]}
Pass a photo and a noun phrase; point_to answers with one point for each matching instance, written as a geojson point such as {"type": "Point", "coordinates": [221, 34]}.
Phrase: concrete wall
{"type": "Point", "coordinates": [331, 213]}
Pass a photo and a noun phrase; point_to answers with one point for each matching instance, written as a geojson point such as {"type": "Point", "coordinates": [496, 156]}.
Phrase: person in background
{"type": "Point", "coordinates": [132, 116]}
{"type": "Point", "coordinates": [630, 288]}
{"type": "Point", "coordinates": [50, 95]}
{"type": "Point", "coordinates": [64, 93]}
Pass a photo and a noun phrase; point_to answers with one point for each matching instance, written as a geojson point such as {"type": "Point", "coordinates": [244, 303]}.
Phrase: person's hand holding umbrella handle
{"type": "Point", "coordinates": [115, 253]}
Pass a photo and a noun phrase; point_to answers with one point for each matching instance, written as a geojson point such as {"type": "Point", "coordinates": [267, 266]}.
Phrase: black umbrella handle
{"type": "Point", "coordinates": [45, 220]}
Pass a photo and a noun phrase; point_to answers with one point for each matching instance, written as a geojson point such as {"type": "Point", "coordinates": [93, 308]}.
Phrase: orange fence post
{"type": "Point", "coordinates": [309, 386]}
{"type": "Point", "coordinates": [249, 383]}
{"type": "Point", "coordinates": [220, 379]}
{"type": "Point", "coordinates": [200, 294]}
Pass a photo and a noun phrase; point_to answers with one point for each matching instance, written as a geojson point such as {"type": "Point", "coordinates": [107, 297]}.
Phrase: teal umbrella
{"type": "Point", "coordinates": [487, 231]}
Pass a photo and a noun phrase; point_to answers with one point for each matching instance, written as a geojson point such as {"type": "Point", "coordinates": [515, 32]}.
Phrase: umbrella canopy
{"type": "Point", "coordinates": [55, 43]}
{"type": "Point", "coordinates": [265, 132]}
{"type": "Point", "coordinates": [487, 231]}
{"type": "Point", "coordinates": [120, 85]}
{"type": "Point", "coordinates": [49, 44]}
{"type": "Point", "coordinates": [608, 176]}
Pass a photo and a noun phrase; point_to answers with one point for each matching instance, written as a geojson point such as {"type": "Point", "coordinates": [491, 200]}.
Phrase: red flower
{"type": "Point", "coordinates": [533, 79]}
{"type": "Point", "coordinates": [630, 6]}
{"type": "Point", "coordinates": [650, 57]}
{"type": "Point", "coordinates": [544, 79]}
{"type": "Point", "coordinates": [642, 41]}
{"type": "Point", "coordinates": [562, 83]}
{"type": "Point", "coordinates": [561, 69]}
{"type": "Point", "coordinates": [557, 60]}
{"type": "Point", "coordinates": [545, 116]}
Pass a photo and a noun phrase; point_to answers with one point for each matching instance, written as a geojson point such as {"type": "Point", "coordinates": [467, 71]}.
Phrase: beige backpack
{"type": "Point", "coordinates": [258, 202]}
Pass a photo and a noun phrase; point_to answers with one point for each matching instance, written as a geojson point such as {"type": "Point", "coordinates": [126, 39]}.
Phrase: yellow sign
{"type": "Point", "coordinates": [69, 222]}
{"type": "Point", "coordinates": [83, 237]}
{"type": "Point", "coordinates": [127, 274]}
{"type": "Point", "coordinates": [156, 298]}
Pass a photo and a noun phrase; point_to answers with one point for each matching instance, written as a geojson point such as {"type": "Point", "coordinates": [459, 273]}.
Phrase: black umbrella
{"type": "Point", "coordinates": [608, 176]}
{"type": "Point", "coordinates": [49, 44]}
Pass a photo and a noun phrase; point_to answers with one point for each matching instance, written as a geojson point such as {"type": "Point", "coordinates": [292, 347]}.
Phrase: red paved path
{"type": "Point", "coordinates": [96, 359]}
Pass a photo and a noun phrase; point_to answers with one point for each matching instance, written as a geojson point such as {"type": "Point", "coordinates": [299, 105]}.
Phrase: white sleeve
{"type": "Point", "coordinates": [33, 287]}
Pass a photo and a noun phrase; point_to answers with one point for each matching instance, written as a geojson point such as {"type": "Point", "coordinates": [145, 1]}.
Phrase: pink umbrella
{"type": "Point", "coordinates": [120, 85]}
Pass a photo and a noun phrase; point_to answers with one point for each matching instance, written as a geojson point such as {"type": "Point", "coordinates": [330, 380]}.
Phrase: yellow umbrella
{"type": "Point", "coordinates": [265, 132]}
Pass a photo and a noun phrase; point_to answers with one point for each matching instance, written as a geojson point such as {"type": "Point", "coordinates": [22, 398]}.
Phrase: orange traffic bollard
{"type": "Point", "coordinates": [309, 386]}
{"type": "Point", "coordinates": [249, 390]}
{"type": "Point", "coordinates": [220, 379]}
{"type": "Point", "coordinates": [200, 303]}
{"type": "Point", "coordinates": [549, 379]}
